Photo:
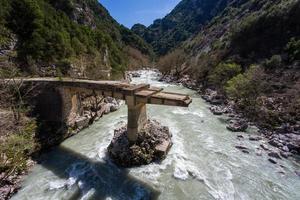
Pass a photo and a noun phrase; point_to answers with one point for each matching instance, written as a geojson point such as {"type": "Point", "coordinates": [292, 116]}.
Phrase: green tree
{"type": "Point", "coordinates": [245, 87]}
{"type": "Point", "coordinates": [274, 62]}
{"type": "Point", "coordinates": [223, 72]}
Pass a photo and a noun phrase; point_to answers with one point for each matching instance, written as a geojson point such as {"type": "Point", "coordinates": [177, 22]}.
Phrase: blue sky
{"type": "Point", "coordinates": [130, 12]}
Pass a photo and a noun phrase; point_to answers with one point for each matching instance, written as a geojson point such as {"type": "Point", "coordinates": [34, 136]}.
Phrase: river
{"type": "Point", "coordinates": [202, 164]}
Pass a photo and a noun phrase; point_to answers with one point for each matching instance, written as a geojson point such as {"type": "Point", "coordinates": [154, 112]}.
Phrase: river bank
{"type": "Point", "coordinates": [93, 109]}
{"type": "Point", "coordinates": [285, 138]}
{"type": "Point", "coordinates": [10, 184]}
{"type": "Point", "coordinates": [15, 138]}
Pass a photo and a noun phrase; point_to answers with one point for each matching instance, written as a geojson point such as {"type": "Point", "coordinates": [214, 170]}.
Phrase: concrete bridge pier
{"type": "Point", "coordinates": [137, 118]}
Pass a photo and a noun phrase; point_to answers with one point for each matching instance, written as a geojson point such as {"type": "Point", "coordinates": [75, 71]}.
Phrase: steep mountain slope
{"type": "Point", "coordinates": [67, 37]}
{"type": "Point", "coordinates": [250, 53]}
{"type": "Point", "coordinates": [262, 28]}
{"type": "Point", "coordinates": [186, 19]}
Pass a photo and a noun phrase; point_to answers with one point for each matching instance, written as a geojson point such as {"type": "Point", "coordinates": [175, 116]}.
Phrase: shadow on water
{"type": "Point", "coordinates": [103, 178]}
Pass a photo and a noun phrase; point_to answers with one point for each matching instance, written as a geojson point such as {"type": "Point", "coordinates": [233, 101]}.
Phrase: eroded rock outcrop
{"type": "Point", "coordinates": [93, 107]}
{"type": "Point", "coordinates": [153, 144]}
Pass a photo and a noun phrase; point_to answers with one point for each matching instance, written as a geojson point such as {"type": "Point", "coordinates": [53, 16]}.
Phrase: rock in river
{"type": "Point", "coordinates": [285, 154]}
{"type": "Point", "coordinates": [272, 161]}
{"type": "Point", "coordinates": [237, 125]}
{"type": "Point", "coordinates": [135, 74]}
{"type": "Point", "coordinates": [153, 144]}
{"type": "Point", "coordinates": [216, 110]}
{"type": "Point", "coordinates": [274, 155]}
{"type": "Point", "coordinates": [253, 138]}
{"type": "Point", "coordinates": [241, 147]}
{"type": "Point", "coordinates": [264, 147]}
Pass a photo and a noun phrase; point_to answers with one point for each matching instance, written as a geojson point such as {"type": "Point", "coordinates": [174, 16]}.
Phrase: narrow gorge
{"type": "Point", "coordinates": [203, 162]}
{"type": "Point", "coordinates": [138, 100]}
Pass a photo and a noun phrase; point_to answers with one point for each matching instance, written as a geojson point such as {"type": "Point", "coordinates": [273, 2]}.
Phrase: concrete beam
{"type": "Point", "coordinates": [143, 92]}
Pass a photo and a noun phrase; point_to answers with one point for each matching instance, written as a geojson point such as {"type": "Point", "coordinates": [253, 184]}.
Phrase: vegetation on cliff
{"type": "Point", "coordinates": [250, 53]}
{"type": "Point", "coordinates": [187, 18]}
{"type": "Point", "coordinates": [69, 37]}
{"type": "Point", "coordinates": [17, 135]}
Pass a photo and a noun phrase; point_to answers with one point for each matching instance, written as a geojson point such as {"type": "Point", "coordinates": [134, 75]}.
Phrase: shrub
{"type": "Point", "coordinates": [63, 66]}
{"type": "Point", "coordinates": [16, 149]}
{"type": "Point", "coordinates": [172, 62]}
{"type": "Point", "coordinates": [17, 134]}
{"type": "Point", "coordinates": [224, 72]}
{"type": "Point", "coordinates": [237, 87]}
{"type": "Point", "coordinates": [245, 87]}
{"type": "Point", "coordinates": [137, 58]}
{"type": "Point", "coordinates": [293, 49]}
{"type": "Point", "coordinates": [274, 62]}
{"type": "Point", "coordinates": [4, 35]}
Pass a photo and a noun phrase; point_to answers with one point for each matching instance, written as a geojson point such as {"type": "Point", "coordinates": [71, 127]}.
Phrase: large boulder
{"type": "Point", "coordinates": [105, 107]}
{"type": "Point", "coordinates": [113, 107]}
{"type": "Point", "coordinates": [237, 125]}
{"type": "Point", "coordinates": [82, 122]}
{"type": "Point", "coordinates": [153, 144]}
{"type": "Point", "coordinates": [217, 110]}
{"type": "Point", "coordinates": [135, 74]}
{"type": "Point", "coordinates": [188, 82]}
{"type": "Point", "coordinates": [274, 154]}
{"type": "Point", "coordinates": [288, 142]}
{"type": "Point", "coordinates": [110, 105]}
{"type": "Point", "coordinates": [213, 97]}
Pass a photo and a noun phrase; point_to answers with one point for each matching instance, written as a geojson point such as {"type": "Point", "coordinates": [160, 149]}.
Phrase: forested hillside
{"type": "Point", "coordinates": [66, 37]}
{"type": "Point", "coordinates": [187, 18]}
{"type": "Point", "coordinates": [249, 53]}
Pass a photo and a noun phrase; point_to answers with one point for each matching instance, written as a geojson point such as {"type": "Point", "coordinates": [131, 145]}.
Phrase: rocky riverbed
{"type": "Point", "coordinates": [285, 139]}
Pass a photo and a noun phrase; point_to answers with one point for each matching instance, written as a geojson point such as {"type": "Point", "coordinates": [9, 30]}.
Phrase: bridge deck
{"type": "Point", "coordinates": [142, 93]}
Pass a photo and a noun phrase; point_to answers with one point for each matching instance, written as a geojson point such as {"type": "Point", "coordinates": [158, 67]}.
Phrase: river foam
{"type": "Point", "coordinates": [186, 111]}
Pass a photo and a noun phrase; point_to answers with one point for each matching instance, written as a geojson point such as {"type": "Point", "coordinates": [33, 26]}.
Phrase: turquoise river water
{"type": "Point", "coordinates": [202, 164]}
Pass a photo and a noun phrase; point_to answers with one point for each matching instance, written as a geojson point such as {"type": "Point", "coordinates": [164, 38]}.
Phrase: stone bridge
{"type": "Point", "coordinates": [135, 96]}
